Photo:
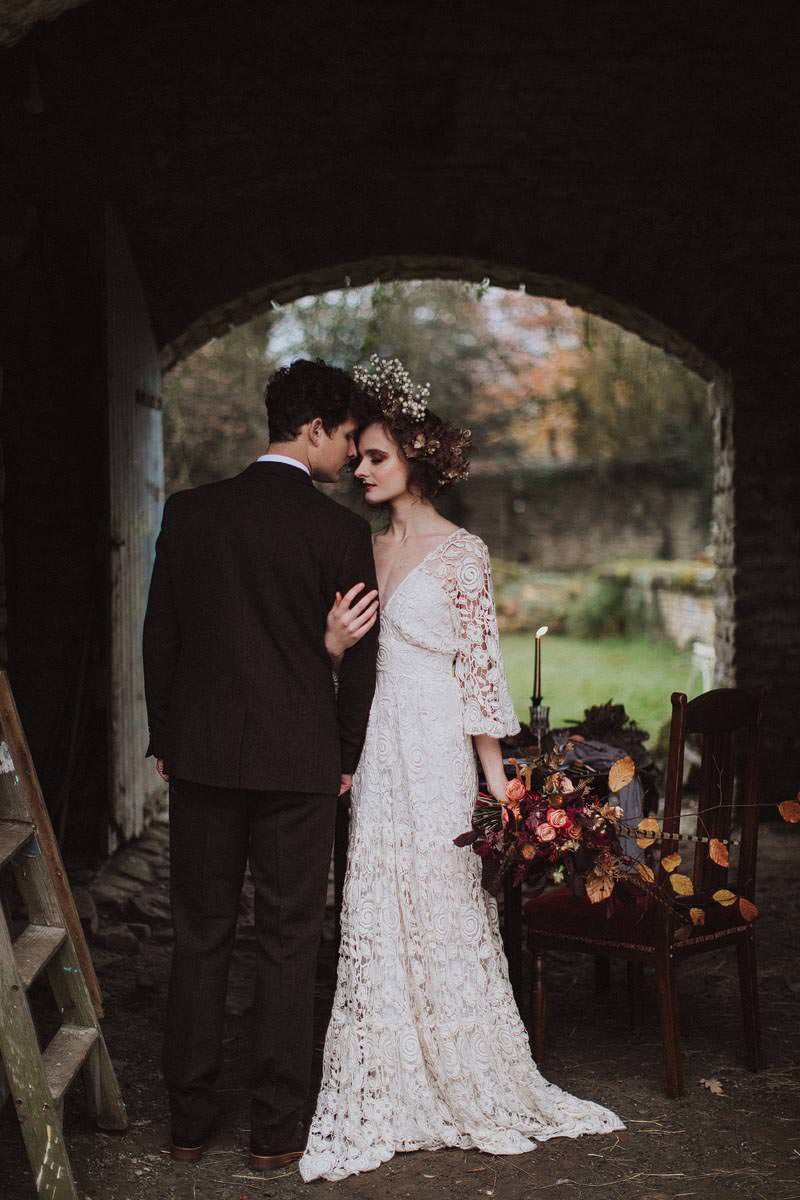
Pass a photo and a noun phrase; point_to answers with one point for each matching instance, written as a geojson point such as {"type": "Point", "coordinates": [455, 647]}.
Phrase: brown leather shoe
{"type": "Point", "coordinates": [186, 1154]}
{"type": "Point", "coordinates": [268, 1162]}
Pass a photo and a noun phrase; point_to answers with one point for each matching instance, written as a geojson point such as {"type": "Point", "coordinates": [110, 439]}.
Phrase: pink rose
{"type": "Point", "coordinates": [515, 790]}
{"type": "Point", "coordinates": [545, 832]}
{"type": "Point", "coordinates": [557, 817]}
{"type": "Point", "coordinates": [574, 831]}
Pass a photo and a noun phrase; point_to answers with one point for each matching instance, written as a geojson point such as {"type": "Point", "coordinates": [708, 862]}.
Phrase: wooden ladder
{"type": "Point", "coordinates": [52, 941]}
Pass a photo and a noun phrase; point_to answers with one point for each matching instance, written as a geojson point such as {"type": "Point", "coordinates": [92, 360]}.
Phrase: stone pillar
{"type": "Point", "coordinates": [757, 518]}
{"type": "Point", "coordinates": [3, 608]}
{"type": "Point", "coordinates": [722, 519]}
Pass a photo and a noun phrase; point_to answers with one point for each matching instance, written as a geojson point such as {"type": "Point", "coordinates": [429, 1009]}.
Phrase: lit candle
{"type": "Point", "coordinates": [537, 666]}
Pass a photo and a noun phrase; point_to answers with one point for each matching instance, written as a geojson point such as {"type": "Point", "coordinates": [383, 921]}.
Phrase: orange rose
{"type": "Point", "coordinates": [557, 817]}
{"type": "Point", "coordinates": [515, 790]}
{"type": "Point", "coordinates": [574, 831]}
{"type": "Point", "coordinates": [545, 832]}
{"type": "Point", "coordinates": [528, 851]}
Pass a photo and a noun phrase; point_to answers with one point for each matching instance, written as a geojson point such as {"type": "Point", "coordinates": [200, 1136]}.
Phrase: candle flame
{"type": "Point", "coordinates": [541, 631]}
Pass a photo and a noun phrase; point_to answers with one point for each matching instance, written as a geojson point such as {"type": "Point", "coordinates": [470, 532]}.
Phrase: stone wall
{"type": "Point", "coordinates": [685, 617]}
{"type": "Point", "coordinates": [3, 607]}
{"type": "Point", "coordinates": [569, 519]}
{"type": "Point", "coordinates": [759, 604]}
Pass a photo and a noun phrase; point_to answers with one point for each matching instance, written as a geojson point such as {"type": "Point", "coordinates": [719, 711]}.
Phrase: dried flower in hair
{"type": "Point", "coordinates": [421, 434]}
{"type": "Point", "coordinates": [389, 383]}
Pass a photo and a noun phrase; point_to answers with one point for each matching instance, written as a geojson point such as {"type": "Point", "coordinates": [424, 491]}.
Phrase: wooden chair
{"type": "Point", "coordinates": [728, 723]}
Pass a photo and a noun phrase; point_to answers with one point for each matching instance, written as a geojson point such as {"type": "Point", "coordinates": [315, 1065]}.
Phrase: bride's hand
{"type": "Point", "coordinates": [348, 621]}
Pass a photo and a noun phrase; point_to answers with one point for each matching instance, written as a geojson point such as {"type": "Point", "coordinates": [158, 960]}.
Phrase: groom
{"type": "Point", "coordinates": [246, 725]}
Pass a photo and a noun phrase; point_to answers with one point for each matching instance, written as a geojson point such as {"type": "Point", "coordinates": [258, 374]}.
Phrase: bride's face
{"type": "Point", "coordinates": [383, 470]}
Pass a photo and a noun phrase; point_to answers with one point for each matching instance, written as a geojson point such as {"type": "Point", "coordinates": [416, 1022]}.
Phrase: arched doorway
{"type": "Point", "coordinates": [591, 470]}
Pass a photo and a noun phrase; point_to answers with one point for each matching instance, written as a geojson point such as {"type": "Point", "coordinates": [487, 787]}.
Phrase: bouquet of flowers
{"type": "Point", "coordinates": [553, 826]}
{"type": "Point", "coordinates": [559, 822]}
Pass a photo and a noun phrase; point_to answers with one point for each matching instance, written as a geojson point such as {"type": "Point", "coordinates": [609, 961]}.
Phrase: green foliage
{"type": "Point", "coordinates": [631, 399]}
{"type": "Point", "coordinates": [602, 611]}
{"type": "Point", "coordinates": [438, 328]}
{"type": "Point", "coordinates": [214, 418]}
{"type": "Point", "coordinates": [610, 609]}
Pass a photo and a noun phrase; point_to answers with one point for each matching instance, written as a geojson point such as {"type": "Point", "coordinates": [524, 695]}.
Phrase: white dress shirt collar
{"type": "Point", "coordinates": [282, 458]}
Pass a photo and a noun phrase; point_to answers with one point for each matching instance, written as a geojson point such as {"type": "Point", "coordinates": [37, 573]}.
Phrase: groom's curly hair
{"type": "Point", "coordinates": [307, 389]}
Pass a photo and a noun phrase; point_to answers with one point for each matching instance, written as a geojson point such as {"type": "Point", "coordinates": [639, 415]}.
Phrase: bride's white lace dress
{"type": "Point", "coordinates": [425, 1046]}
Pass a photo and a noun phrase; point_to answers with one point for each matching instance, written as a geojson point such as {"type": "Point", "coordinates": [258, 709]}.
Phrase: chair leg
{"type": "Point", "coordinates": [670, 1030]}
{"type": "Point", "coordinates": [538, 1003]}
{"type": "Point", "coordinates": [635, 972]}
{"type": "Point", "coordinates": [602, 974]}
{"type": "Point", "coordinates": [748, 986]}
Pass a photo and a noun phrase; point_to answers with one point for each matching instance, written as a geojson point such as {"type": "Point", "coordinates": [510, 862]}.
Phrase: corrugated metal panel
{"type": "Point", "coordinates": [136, 482]}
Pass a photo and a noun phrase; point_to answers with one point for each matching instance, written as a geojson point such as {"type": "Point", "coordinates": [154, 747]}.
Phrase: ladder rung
{"type": "Point", "coordinates": [13, 836]}
{"type": "Point", "coordinates": [34, 948]}
{"type": "Point", "coordinates": [65, 1056]}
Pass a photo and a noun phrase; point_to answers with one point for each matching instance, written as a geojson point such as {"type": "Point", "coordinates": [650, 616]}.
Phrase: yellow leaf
{"type": "Point", "coordinates": [682, 884]}
{"type": "Point", "coordinates": [599, 886]}
{"type": "Point", "coordinates": [697, 916]}
{"type": "Point", "coordinates": [671, 862]}
{"type": "Point", "coordinates": [747, 909]}
{"type": "Point", "coordinates": [790, 810]}
{"type": "Point", "coordinates": [648, 828]}
{"type": "Point", "coordinates": [621, 773]}
{"type": "Point", "coordinates": [713, 1085]}
{"type": "Point", "coordinates": [645, 872]}
{"type": "Point", "coordinates": [724, 897]}
{"type": "Point", "coordinates": [718, 853]}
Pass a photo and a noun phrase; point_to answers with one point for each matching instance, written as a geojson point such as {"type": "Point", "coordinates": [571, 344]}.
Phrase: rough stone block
{"type": "Point", "coordinates": [119, 938]}
{"type": "Point", "coordinates": [87, 910]}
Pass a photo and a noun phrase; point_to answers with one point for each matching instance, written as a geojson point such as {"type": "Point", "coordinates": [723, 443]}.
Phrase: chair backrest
{"type": "Point", "coordinates": [728, 724]}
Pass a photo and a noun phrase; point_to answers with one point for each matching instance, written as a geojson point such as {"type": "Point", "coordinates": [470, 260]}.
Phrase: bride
{"type": "Point", "coordinates": [425, 1046]}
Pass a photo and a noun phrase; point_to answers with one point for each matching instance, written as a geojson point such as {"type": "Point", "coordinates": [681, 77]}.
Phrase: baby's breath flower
{"type": "Point", "coordinates": [388, 382]}
{"type": "Point", "coordinates": [404, 405]}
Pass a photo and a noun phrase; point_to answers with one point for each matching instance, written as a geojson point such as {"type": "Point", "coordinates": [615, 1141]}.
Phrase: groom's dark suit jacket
{"type": "Point", "coordinates": [238, 684]}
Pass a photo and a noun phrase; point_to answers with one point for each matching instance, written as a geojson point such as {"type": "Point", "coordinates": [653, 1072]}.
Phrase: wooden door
{"type": "Point", "coordinates": [136, 496]}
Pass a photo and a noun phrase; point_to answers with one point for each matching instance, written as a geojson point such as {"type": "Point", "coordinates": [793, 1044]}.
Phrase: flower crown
{"type": "Point", "coordinates": [391, 386]}
{"type": "Point", "coordinates": [420, 433]}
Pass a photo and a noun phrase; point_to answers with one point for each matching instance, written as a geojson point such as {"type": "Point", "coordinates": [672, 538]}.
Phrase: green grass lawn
{"type": "Point", "coordinates": [640, 673]}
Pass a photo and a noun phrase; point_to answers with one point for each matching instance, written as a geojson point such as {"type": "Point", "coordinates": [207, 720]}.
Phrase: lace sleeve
{"type": "Point", "coordinates": [488, 707]}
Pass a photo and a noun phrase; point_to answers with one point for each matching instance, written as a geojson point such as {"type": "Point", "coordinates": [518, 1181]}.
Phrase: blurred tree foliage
{"type": "Point", "coordinates": [214, 422]}
{"type": "Point", "coordinates": [635, 403]}
{"type": "Point", "coordinates": [538, 382]}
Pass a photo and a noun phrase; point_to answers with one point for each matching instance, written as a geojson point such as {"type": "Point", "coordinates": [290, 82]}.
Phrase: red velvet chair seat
{"type": "Point", "coordinates": [558, 913]}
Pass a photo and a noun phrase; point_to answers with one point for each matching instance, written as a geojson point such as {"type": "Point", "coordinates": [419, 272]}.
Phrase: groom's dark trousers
{"type": "Point", "coordinates": [287, 837]}
{"type": "Point", "coordinates": [243, 711]}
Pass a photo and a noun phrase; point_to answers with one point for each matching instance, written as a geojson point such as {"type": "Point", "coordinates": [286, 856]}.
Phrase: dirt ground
{"type": "Point", "coordinates": [743, 1142]}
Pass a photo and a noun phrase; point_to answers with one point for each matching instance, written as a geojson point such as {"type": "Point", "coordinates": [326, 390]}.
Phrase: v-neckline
{"type": "Point", "coordinates": [385, 603]}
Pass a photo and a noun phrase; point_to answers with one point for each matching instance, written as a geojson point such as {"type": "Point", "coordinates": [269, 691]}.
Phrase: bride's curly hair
{"type": "Point", "coordinates": [437, 451]}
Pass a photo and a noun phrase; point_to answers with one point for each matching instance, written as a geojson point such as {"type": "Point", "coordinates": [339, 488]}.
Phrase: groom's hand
{"type": "Point", "coordinates": [345, 783]}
